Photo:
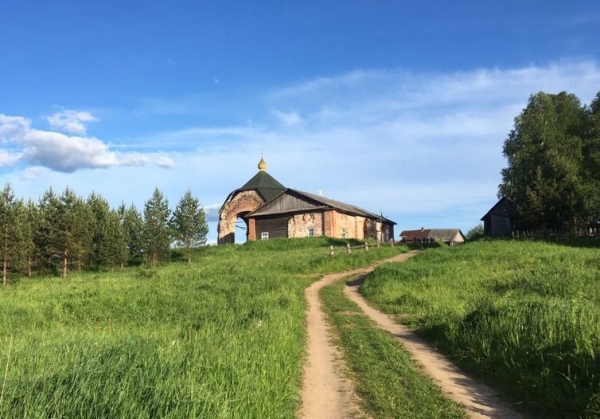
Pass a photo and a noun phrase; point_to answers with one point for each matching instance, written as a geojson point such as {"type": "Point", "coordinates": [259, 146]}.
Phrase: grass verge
{"type": "Point", "coordinates": [522, 315]}
{"type": "Point", "coordinates": [387, 381]}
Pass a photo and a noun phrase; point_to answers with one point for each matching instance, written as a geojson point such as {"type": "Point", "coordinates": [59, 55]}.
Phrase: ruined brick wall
{"type": "Point", "coordinates": [240, 204]}
{"type": "Point", "coordinates": [300, 223]}
{"type": "Point", "coordinates": [373, 229]}
{"type": "Point", "coordinates": [348, 226]}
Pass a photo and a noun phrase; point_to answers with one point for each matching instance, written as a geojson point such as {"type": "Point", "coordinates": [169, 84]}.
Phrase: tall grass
{"type": "Point", "coordinates": [524, 315]}
{"type": "Point", "coordinates": [220, 338]}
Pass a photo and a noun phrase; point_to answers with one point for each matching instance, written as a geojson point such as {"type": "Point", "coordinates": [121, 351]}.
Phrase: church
{"type": "Point", "coordinates": [270, 210]}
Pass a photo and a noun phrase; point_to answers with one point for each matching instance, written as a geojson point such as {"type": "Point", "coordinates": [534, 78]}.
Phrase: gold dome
{"type": "Point", "coordinates": [262, 165]}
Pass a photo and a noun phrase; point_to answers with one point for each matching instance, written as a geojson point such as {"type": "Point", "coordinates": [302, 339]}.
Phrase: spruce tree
{"type": "Point", "coordinates": [100, 210]}
{"type": "Point", "coordinates": [132, 225]}
{"type": "Point", "coordinates": [157, 232]}
{"type": "Point", "coordinates": [189, 223]}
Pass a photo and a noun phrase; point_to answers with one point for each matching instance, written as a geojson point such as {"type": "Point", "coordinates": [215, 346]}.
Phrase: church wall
{"type": "Point", "coordinates": [242, 203]}
{"type": "Point", "coordinates": [300, 224]}
{"type": "Point", "coordinates": [348, 226]}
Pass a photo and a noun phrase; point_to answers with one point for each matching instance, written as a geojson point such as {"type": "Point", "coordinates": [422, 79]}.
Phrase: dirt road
{"type": "Point", "coordinates": [328, 394]}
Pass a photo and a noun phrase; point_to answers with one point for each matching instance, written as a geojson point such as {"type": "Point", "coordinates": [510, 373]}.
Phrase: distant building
{"type": "Point", "coordinates": [271, 210]}
{"type": "Point", "coordinates": [450, 236]}
{"type": "Point", "coordinates": [499, 220]}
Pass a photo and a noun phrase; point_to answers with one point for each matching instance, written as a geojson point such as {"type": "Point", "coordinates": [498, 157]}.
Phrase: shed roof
{"type": "Point", "coordinates": [505, 207]}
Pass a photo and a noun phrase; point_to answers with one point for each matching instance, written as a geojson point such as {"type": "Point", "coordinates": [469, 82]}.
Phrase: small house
{"type": "Point", "coordinates": [450, 236]}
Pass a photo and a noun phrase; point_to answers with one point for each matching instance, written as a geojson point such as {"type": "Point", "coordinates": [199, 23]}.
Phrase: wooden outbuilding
{"type": "Point", "coordinates": [500, 219]}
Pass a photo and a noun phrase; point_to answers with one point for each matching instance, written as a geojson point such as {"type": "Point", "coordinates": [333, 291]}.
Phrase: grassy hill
{"type": "Point", "coordinates": [523, 315]}
{"type": "Point", "coordinates": [220, 338]}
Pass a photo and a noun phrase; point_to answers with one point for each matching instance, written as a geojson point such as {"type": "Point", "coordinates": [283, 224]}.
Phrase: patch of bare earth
{"type": "Point", "coordinates": [328, 393]}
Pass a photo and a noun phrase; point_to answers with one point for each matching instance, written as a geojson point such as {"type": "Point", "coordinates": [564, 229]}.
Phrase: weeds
{"type": "Point", "coordinates": [222, 337]}
{"type": "Point", "coordinates": [524, 315]}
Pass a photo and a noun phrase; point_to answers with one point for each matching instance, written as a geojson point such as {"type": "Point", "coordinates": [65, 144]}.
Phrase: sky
{"type": "Point", "coordinates": [400, 106]}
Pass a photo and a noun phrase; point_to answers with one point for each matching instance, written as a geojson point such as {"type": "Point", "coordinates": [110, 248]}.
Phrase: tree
{"type": "Point", "coordinates": [591, 153]}
{"type": "Point", "coordinates": [132, 226]}
{"type": "Point", "coordinates": [189, 223]}
{"type": "Point", "coordinates": [117, 249]}
{"type": "Point", "coordinates": [545, 158]}
{"type": "Point", "coordinates": [64, 234]}
{"type": "Point", "coordinates": [29, 221]}
{"type": "Point", "coordinates": [46, 237]}
{"type": "Point", "coordinates": [475, 233]}
{"type": "Point", "coordinates": [156, 232]}
{"type": "Point", "coordinates": [10, 234]}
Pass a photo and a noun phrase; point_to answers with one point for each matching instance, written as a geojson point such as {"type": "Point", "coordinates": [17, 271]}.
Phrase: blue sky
{"type": "Point", "coordinates": [400, 107]}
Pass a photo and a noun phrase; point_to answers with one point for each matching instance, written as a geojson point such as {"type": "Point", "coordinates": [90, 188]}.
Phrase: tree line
{"type": "Point", "coordinates": [64, 232]}
{"type": "Point", "coordinates": [553, 172]}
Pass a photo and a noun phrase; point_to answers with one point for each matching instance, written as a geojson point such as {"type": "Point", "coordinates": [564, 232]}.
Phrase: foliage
{"type": "Point", "coordinates": [189, 223]}
{"type": "Point", "coordinates": [11, 234]}
{"type": "Point", "coordinates": [156, 233]}
{"type": "Point", "coordinates": [551, 161]}
{"type": "Point", "coordinates": [133, 225]}
{"type": "Point", "coordinates": [524, 315]}
{"type": "Point", "coordinates": [475, 233]}
{"type": "Point", "coordinates": [222, 337]}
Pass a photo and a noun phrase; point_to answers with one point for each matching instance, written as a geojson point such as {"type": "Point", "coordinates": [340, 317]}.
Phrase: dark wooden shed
{"type": "Point", "coordinates": [499, 220]}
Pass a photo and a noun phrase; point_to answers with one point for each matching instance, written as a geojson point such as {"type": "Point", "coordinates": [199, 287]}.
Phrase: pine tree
{"type": "Point", "coordinates": [116, 249]}
{"type": "Point", "coordinates": [64, 237]}
{"type": "Point", "coordinates": [100, 210]}
{"type": "Point", "coordinates": [29, 223]}
{"type": "Point", "coordinates": [10, 235]}
{"type": "Point", "coordinates": [189, 223]}
{"type": "Point", "coordinates": [156, 233]}
{"type": "Point", "coordinates": [132, 226]}
{"type": "Point", "coordinates": [46, 237]}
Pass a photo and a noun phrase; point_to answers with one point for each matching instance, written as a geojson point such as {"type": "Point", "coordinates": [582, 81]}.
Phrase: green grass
{"type": "Point", "coordinates": [387, 381]}
{"type": "Point", "coordinates": [220, 338]}
{"type": "Point", "coordinates": [524, 315]}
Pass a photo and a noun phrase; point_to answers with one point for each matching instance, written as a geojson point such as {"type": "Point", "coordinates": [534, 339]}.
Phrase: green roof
{"type": "Point", "coordinates": [265, 184]}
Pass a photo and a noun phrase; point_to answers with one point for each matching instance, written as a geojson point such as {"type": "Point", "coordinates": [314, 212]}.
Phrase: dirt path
{"type": "Point", "coordinates": [326, 393]}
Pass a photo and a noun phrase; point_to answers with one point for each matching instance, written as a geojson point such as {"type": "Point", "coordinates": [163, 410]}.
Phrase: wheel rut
{"type": "Point", "coordinates": [327, 393]}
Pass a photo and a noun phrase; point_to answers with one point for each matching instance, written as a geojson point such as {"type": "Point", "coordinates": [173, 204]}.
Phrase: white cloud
{"type": "Point", "coordinates": [8, 159]}
{"type": "Point", "coordinates": [12, 126]}
{"type": "Point", "coordinates": [57, 151]}
{"type": "Point", "coordinates": [72, 122]}
{"type": "Point", "coordinates": [165, 162]}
